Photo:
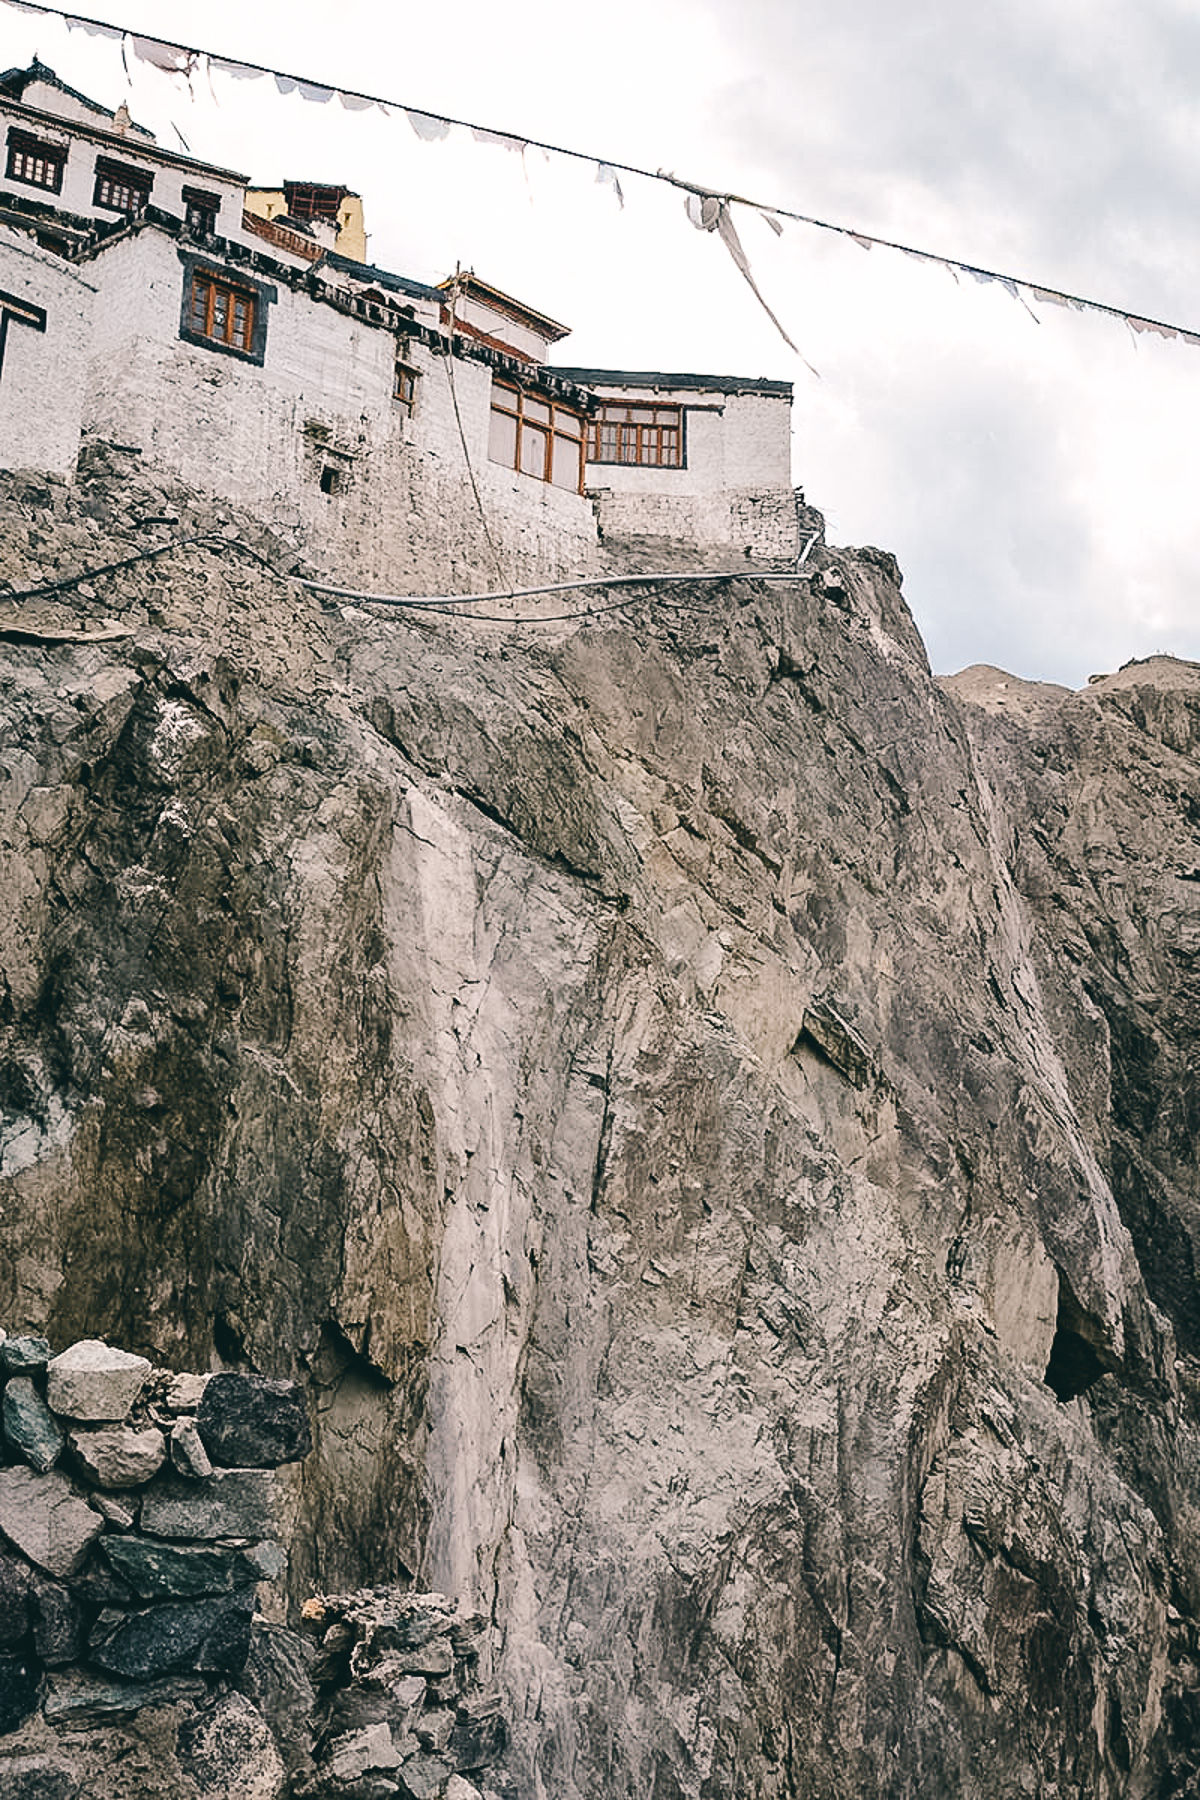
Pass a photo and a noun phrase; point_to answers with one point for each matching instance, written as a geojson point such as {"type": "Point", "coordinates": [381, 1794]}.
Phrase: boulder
{"type": "Point", "coordinates": [119, 1456]}
{"type": "Point", "coordinates": [238, 1503]}
{"type": "Point", "coordinates": [20, 1355]}
{"type": "Point", "coordinates": [93, 1381]}
{"type": "Point", "coordinates": [157, 1571]}
{"type": "Point", "coordinates": [209, 1636]}
{"type": "Point", "coordinates": [46, 1520]}
{"type": "Point", "coordinates": [252, 1422]}
{"type": "Point", "coordinates": [29, 1425]}
{"type": "Point", "coordinates": [229, 1752]}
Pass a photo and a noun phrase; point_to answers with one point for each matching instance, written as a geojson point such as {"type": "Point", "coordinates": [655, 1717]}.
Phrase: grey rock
{"type": "Point", "coordinates": [210, 1635]}
{"type": "Point", "coordinates": [37, 1778]}
{"type": "Point", "coordinates": [75, 1695]}
{"type": "Point", "coordinates": [229, 1752]}
{"type": "Point", "coordinates": [19, 1355]}
{"type": "Point", "coordinates": [46, 1520]}
{"type": "Point", "coordinates": [188, 1455]}
{"type": "Point", "coordinates": [252, 1422]}
{"type": "Point", "coordinates": [277, 1678]}
{"type": "Point", "coordinates": [424, 1777]}
{"type": "Point", "coordinates": [59, 1634]}
{"type": "Point", "coordinates": [434, 1728]}
{"type": "Point", "coordinates": [121, 1514]}
{"type": "Point", "coordinates": [156, 1570]}
{"type": "Point", "coordinates": [29, 1425]}
{"type": "Point", "coordinates": [479, 1737]}
{"type": "Point", "coordinates": [19, 1681]}
{"type": "Point", "coordinates": [183, 1393]}
{"type": "Point", "coordinates": [90, 1380]}
{"type": "Point", "coordinates": [356, 1752]}
{"type": "Point", "coordinates": [235, 1503]}
{"type": "Point", "coordinates": [118, 1456]}
{"type": "Point", "coordinates": [14, 1601]}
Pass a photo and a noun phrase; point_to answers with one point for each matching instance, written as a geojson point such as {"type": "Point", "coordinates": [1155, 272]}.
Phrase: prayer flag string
{"type": "Point", "coordinates": [178, 59]}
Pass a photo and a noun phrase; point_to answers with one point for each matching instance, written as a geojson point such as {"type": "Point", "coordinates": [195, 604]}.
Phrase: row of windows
{"type": "Point", "coordinates": [541, 438]}
{"type": "Point", "coordinates": [119, 187]}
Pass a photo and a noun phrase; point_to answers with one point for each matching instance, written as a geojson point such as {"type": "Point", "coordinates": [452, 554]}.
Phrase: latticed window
{"type": "Point", "coordinates": [31, 160]}
{"type": "Point", "coordinates": [120, 188]}
{"type": "Point", "coordinates": [536, 436]}
{"type": "Point", "coordinates": [650, 436]}
{"type": "Point", "coordinates": [221, 312]}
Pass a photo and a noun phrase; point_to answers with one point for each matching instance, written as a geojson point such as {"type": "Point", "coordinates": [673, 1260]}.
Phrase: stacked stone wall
{"type": "Point", "coordinates": [138, 1562]}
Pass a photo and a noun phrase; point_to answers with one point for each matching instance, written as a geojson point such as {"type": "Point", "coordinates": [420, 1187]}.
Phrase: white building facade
{"type": "Point", "coordinates": [415, 434]}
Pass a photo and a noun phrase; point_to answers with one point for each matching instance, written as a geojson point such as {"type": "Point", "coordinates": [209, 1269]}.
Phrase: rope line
{"type": "Point", "coordinates": [1037, 289]}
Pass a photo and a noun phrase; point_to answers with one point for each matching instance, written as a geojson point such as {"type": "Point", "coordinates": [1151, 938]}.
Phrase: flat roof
{"type": "Point", "coordinates": [655, 378]}
{"type": "Point", "coordinates": [400, 284]}
{"type": "Point", "coordinates": [469, 284]}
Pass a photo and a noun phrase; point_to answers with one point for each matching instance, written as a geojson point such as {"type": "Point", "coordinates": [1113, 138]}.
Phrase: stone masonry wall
{"type": "Point", "coordinates": [138, 1512]}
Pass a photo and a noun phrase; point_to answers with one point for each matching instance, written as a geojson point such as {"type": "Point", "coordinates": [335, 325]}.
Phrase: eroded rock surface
{"type": "Point", "coordinates": [708, 1112]}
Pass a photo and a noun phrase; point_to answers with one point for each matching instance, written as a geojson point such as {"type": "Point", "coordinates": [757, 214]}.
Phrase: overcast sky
{"type": "Point", "coordinates": [1036, 479]}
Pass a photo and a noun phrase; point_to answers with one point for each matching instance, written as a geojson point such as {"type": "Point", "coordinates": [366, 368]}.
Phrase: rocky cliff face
{"type": "Point", "coordinates": [708, 1112]}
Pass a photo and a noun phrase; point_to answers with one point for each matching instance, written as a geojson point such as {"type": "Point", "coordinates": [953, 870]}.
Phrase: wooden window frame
{"type": "Point", "coordinates": [227, 310]}
{"type": "Point", "coordinates": [510, 401]}
{"type": "Point", "coordinates": [641, 442]}
{"type": "Point", "coordinates": [27, 150]}
{"type": "Point", "coordinates": [114, 179]}
{"type": "Point", "coordinates": [199, 205]}
{"type": "Point", "coordinates": [404, 383]}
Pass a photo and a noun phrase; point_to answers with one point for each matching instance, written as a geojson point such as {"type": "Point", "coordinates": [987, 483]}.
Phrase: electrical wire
{"type": "Point", "coordinates": [1059, 296]}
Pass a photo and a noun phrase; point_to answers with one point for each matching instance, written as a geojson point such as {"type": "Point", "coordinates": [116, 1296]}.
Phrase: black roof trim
{"type": "Point", "coordinates": [652, 378]}
{"type": "Point", "coordinates": [400, 284]}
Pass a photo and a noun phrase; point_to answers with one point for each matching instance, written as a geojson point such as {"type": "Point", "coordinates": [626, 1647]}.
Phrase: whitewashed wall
{"type": "Point", "coordinates": [44, 375]}
{"type": "Point", "coordinates": [405, 515]}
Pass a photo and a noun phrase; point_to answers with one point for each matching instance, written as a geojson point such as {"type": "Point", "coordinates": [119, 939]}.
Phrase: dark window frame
{"type": "Point", "coordinates": [24, 145]}
{"type": "Point", "coordinates": [528, 427]}
{"type": "Point", "coordinates": [404, 381]}
{"type": "Point", "coordinates": [124, 178]}
{"type": "Point", "coordinates": [644, 438]}
{"type": "Point", "coordinates": [261, 293]}
{"type": "Point", "coordinates": [201, 210]}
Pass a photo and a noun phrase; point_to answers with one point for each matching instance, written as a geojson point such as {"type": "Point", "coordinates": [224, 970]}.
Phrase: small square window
{"type": "Point", "coordinates": [38, 163]}
{"type": "Point", "coordinates": [201, 210]}
{"type": "Point", "coordinates": [121, 188]}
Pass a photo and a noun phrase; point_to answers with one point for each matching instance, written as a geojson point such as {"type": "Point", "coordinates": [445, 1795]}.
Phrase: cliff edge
{"type": "Point", "coordinates": [707, 1111]}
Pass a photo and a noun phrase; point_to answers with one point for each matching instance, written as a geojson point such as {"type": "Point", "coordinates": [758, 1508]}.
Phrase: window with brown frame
{"type": "Point", "coordinates": [200, 210]}
{"type": "Point", "coordinates": [404, 383]}
{"type": "Point", "coordinates": [121, 188]}
{"type": "Point", "coordinates": [221, 312]}
{"type": "Point", "coordinates": [536, 436]}
{"type": "Point", "coordinates": [648, 436]}
{"type": "Point", "coordinates": [38, 163]}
